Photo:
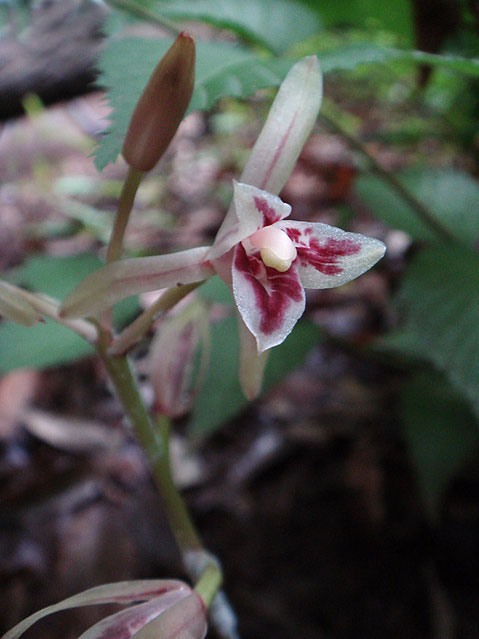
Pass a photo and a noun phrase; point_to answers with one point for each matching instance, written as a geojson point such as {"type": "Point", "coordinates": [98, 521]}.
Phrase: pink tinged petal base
{"type": "Point", "coordinates": [124, 278]}
{"type": "Point", "coordinates": [123, 592]}
{"type": "Point", "coordinates": [270, 302]}
{"type": "Point", "coordinates": [328, 256]}
{"type": "Point", "coordinates": [184, 620]}
{"type": "Point", "coordinates": [126, 623]}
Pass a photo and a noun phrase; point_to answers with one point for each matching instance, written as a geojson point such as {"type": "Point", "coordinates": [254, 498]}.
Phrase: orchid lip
{"type": "Point", "coordinates": [276, 248]}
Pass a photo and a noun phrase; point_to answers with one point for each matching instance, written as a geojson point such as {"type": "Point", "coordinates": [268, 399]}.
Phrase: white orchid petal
{"type": "Point", "coordinates": [289, 123]}
{"type": "Point", "coordinates": [127, 623]}
{"type": "Point", "coordinates": [124, 278]}
{"type": "Point", "coordinates": [14, 307]}
{"type": "Point", "coordinates": [328, 256]}
{"type": "Point", "coordinates": [251, 364]}
{"type": "Point", "coordinates": [184, 620]}
{"type": "Point", "coordinates": [270, 302]}
{"type": "Point", "coordinates": [123, 592]}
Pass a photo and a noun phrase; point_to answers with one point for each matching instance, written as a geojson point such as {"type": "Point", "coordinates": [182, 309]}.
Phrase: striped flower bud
{"type": "Point", "coordinates": [177, 360]}
{"type": "Point", "coordinates": [162, 105]}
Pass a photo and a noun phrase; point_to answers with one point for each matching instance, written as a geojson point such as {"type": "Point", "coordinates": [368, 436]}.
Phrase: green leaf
{"type": "Point", "coordinates": [450, 195]}
{"type": "Point", "coordinates": [54, 276]}
{"type": "Point", "coordinates": [277, 24]}
{"type": "Point", "coordinates": [440, 299]}
{"type": "Point", "coordinates": [395, 16]}
{"type": "Point", "coordinates": [352, 55]}
{"type": "Point", "coordinates": [222, 70]}
{"type": "Point", "coordinates": [221, 398]}
{"type": "Point", "coordinates": [441, 431]}
{"type": "Point", "coordinates": [40, 346]}
{"type": "Point", "coordinates": [215, 290]}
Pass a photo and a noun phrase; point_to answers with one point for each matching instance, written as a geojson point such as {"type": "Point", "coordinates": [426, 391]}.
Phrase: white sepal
{"type": "Point", "coordinates": [124, 278]}
{"type": "Point", "coordinates": [123, 592]}
{"type": "Point", "coordinates": [289, 123]}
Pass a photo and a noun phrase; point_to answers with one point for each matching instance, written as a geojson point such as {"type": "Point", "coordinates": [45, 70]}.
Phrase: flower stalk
{"type": "Point", "coordinates": [154, 441]}
{"type": "Point", "coordinates": [125, 205]}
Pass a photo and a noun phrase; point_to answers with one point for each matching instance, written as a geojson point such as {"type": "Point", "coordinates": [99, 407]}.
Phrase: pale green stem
{"type": "Point", "coordinates": [154, 440]}
{"type": "Point", "coordinates": [139, 327]}
{"type": "Point", "coordinates": [209, 584]}
{"type": "Point", "coordinates": [418, 207]}
{"type": "Point", "coordinates": [125, 204]}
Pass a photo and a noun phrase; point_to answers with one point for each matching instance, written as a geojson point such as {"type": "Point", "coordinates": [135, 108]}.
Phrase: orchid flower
{"type": "Point", "coordinates": [266, 260]}
{"type": "Point", "coordinates": [170, 610]}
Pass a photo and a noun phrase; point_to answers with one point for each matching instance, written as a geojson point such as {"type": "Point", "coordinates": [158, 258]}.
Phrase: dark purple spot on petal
{"type": "Point", "coordinates": [325, 257]}
{"type": "Point", "coordinates": [270, 216]}
{"type": "Point", "coordinates": [273, 293]}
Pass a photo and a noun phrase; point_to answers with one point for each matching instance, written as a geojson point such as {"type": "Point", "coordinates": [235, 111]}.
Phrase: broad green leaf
{"type": "Point", "coordinates": [395, 16]}
{"type": "Point", "coordinates": [440, 300]}
{"type": "Point", "coordinates": [222, 70]}
{"type": "Point", "coordinates": [46, 344]}
{"type": "Point", "coordinates": [352, 55]}
{"type": "Point", "coordinates": [277, 24]}
{"type": "Point", "coordinates": [441, 431]}
{"type": "Point", "coordinates": [221, 398]}
{"type": "Point", "coordinates": [54, 276]}
{"type": "Point", "coordinates": [450, 195]}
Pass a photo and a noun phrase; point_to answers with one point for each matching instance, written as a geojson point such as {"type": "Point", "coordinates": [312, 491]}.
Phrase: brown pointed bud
{"type": "Point", "coordinates": [162, 105]}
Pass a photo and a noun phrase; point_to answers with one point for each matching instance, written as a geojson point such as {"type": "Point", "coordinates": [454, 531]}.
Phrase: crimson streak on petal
{"type": "Point", "coordinates": [273, 291]}
{"type": "Point", "coordinates": [325, 257]}
{"type": "Point", "coordinates": [270, 216]}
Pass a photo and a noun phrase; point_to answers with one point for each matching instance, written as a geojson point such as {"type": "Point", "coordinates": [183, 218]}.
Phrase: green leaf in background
{"type": "Point", "coordinates": [49, 344]}
{"type": "Point", "coordinates": [441, 431]}
{"type": "Point", "coordinates": [215, 290]}
{"type": "Point", "coordinates": [277, 24]}
{"type": "Point", "coordinates": [54, 276]}
{"type": "Point", "coordinates": [221, 397]}
{"type": "Point", "coordinates": [440, 299]}
{"type": "Point", "coordinates": [39, 346]}
{"type": "Point", "coordinates": [395, 16]}
{"type": "Point", "coordinates": [348, 57]}
{"type": "Point", "coordinates": [222, 70]}
{"type": "Point", "coordinates": [450, 195]}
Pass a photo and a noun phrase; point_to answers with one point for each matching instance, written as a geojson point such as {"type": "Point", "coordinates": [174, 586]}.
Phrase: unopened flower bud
{"type": "Point", "coordinates": [162, 105]}
{"type": "Point", "coordinates": [178, 357]}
